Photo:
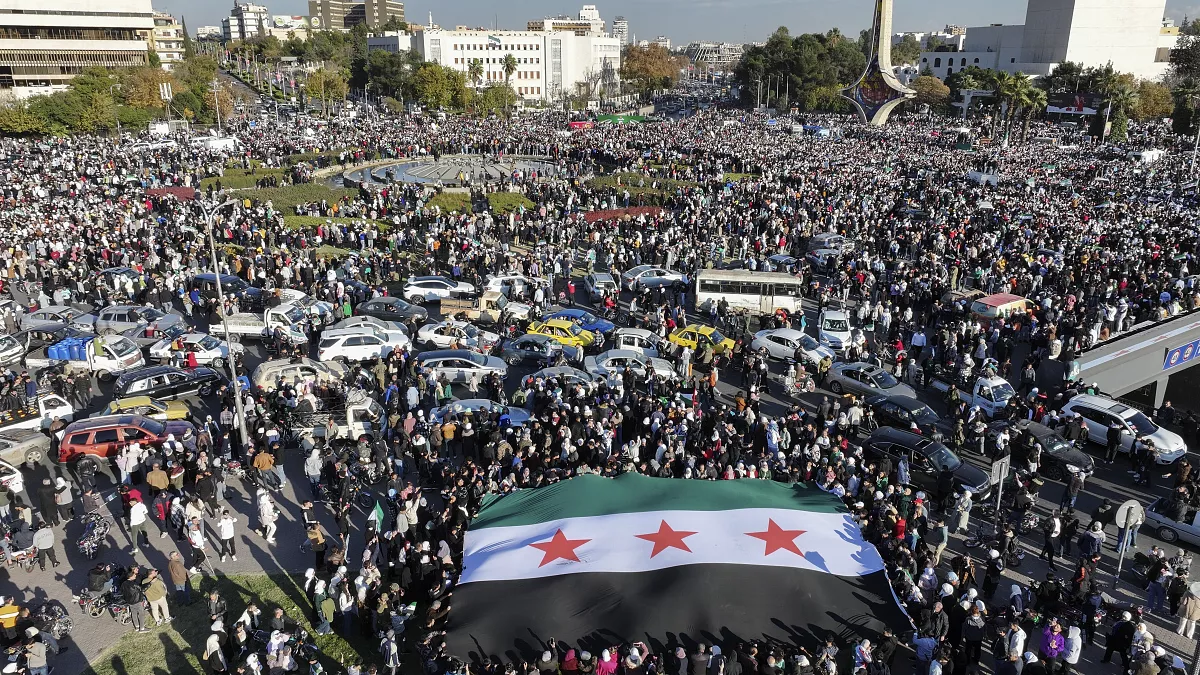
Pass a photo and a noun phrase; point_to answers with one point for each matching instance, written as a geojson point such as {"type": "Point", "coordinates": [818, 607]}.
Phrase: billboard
{"type": "Point", "coordinates": [1075, 103]}
{"type": "Point", "coordinates": [282, 22]}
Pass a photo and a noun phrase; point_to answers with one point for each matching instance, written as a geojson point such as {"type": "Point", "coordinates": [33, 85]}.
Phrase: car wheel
{"type": "Point", "coordinates": [836, 388]}
{"type": "Point", "coordinates": [205, 389]}
{"type": "Point", "coordinates": [1054, 472]}
{"type": "Point", "coordinates": [416, 299]}
{"type": "Point", "coordinates": [34, 456]}
{"type": "Point", "coordinates": [105, 376]}
{"type": "Point", "coordinates": [513, 360]}
{"type": "Point", "coordinates": [1167, 535]}
{"type": "Point", "coordinates": [218, 363]}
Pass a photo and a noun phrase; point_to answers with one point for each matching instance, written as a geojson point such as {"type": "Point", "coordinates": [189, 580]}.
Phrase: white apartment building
{"type": "Point", "coordinates": [45, 43]}
{"type": "Point", "coordinates": [549, 63]}
{"type": "Point", "coordinates": [167, 40]}
{"type": "Point", "coordinates": [620, 29]}
{"type": "Point", "coordinates": [588, 21]}
{"type": "Point", "coordinates": [244, 21]}
{"type": "Point", "coordinates": [1128, 33]}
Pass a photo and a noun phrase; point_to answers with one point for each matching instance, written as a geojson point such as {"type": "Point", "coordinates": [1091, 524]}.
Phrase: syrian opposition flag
{"type": "Point", "coordinates": [594, 562]}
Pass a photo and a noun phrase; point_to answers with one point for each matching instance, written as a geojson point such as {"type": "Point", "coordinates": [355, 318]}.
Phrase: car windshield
{"type": "Point", "coordinates": [716, 337]}
{"type": "Point", "coordinates": [923, 413]}
{"type": "Point", "coordinates": [174, 330]}
{"type": "Point", "coordinates": [808, 343]}
{"type": "Point", "coordinates": [209, 342]}
{"type": "Point", "coordinates": [836, 325]}
{"type": "Point", "coordinates": [586, 317]}
{"type": "Point", "coordinates": [149, 313]}
{"type": "Point", "coordinates": [9, 342]}
{"type": "Point", "coordinates": [884, 380]}
{"type": "Point", "coordinates": [294, 315]}
{"type": "Point", "coordinates": [122, 347]}
{"type": "Point", "coordinates": [574, 329]}
{"type": "Point", "coordinates": [471, 331]}
{"type": "Point", "coordinates": [942, 458]}
{"type": "Point", "coordinates": [153, 426]}
{"type": "Point", "coordinates": [1143, 424]}
{"type": "Point", "coordinates": [478, 358]}
{"type": "Point", "coordinates": [1003, 391]}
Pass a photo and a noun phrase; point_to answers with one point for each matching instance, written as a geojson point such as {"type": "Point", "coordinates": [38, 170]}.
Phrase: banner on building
{"type": "Point", "coordinates": [289, 22]}
{"type": "Point", "coordinates": [582, 125]}
{"type": "Point", "coordinates": [1075, 103]}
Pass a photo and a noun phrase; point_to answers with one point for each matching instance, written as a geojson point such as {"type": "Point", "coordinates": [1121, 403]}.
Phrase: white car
{"type": "Point", "coordinates": [420, 290]}
{"type": "Point", "coordinates": [356, 321]}
{"type": "Point", "coordinates": [834, 331]}
{"type": "Point", "coordinates": [782, 343]}
{"type": "Point", "coordinates": [650, 276]}
{"type": "Point", "coordinates": [513, 286]}
{"type": "Point", "coordinates": [638, 340]}
{"type": "Point", "coordinates": [11, 478]}
{"type": "Point", "coordinates": [447, 333]}
{"type": "Point", "coordinates": [209, 351]}
{"type": "Point", "coordinates": [616, 361]}
{"type": "Point", "coordinates": [1101, 412]}
{"type": "Point", "coordinates": [360, 343]}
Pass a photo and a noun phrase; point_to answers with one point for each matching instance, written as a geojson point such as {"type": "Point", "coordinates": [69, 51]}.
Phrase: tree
{"type": "Point", "coordinates": [140, 87]}
{"type": "Point", "coordinates": [498, 98]}
{"type": "Point", "coordinates": [433, 86]}
{"type": "Point", "coordinates": [98, 112]}
{"type": "Point", "coordinates": [189, 49]}
{"type": "Point", "coordinates": [1185, 61]}
{"type": "Point", "coordinates": [475, 71]}
{"type": "Point", "coordinates": [16, 119]}
{"type": "Point", "coordinates": [328, 85]}
{"type": "Point", "coordinates": [935, 44]}
{"type": "Point", "coordinates": [1183, 114]}
{"type": "Point", "coordinates": [647, 68]}
{"type": "Point", "coordinates": [389, 73]}
{"type": "Point", "coordinates": [907, 50]}
{"type": "Point", "coordinates": [1118, 127]}
{"type": "Point", "coordinates": [931, 92]}
{"type": "Point", "coordinates": [1066, 76]}
{"type": "Point", "coordinates": [395, 23]}
{"type": "Point", "coordinates": [510, 66]}
{"type": "Point", "coordinates": [1036, 102]}
{"type": "Point", "coordinates": [1153, 101]}
{"type": "Point", "coordinates": [153, 59]}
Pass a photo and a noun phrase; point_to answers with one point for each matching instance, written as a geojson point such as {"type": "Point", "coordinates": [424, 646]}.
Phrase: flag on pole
{"type": "Point", "coordinates": [376, 515]}
{"type": "Point", "coordinates": [594, 561]}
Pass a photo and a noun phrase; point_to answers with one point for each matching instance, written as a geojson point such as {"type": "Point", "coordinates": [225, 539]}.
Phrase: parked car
{"type": "Point", "coordinates": [366, 320]}
{"type": "Point", "coordinates": [517, 417]}
{"type": "Point", "coordinates": [1101, 412]}
{"type": "Point", "coordinates": [390, 308]}
{"type": "Point", "coordinates": [59, 314]}
{"type": "Point", "coordinates": [168, 382]}
{"type": "Point", "coordinates": [650, 276]}
{"type": "Point", "coordinates": [926, 460]}
{"type": "Point", "coordinates": [458, 365]}
{"type": "Point", "coordinates": [600, 284]}
{"type": "Point", "coordinates": [250, 298]}
{"type": "Point", "coordinates": [360, 343]}
{"type": "Point", "coordinates": [154, 408]}
{"type": "Point", "coordinates": [209, 351]}
{"type": "Point", "coordinates": [639, 340]}
{"type": "Point", "coordinates": [905, 412]}
{"type": "Point", "coordinates": [616, 361]}
{"type": "Point", "coordinates": [695, 336]}
{"type": "Point", "coordinates": [864, 379]}
{"type": "Point", "coordinates": [457, 334]}
{"type": "Point", "coordinates": [420, 290]}
{"type": "Point", "coordinates": [11, 350]}
{"type": "Point", "coordinates": [782, 343]}
{"type": "Point", "coordinates": [538, 349]}
{"type": "Point", "coordinates": [44, 335]}
{"type": "Point", "coordinates": [87, 441]}
{"type": "Point", "coordinates": [584, 319]}
{"type": "Point", "coordinates": [567, 375]}
{"type": "Point", "coordinates": [120, 318]}
{"type": "Point", "coordinates": [277, 372]}
{"type": "Point", "coordinates": [23, 446]}
{"type": "Point", "coordinates": [566, 332]}
{"type": "Point", "coordinates": [834, 331]}
{"type": "Point", "coordinates": [1161, 517]}
{"type": "Point", "coordinates": [1059, 459]}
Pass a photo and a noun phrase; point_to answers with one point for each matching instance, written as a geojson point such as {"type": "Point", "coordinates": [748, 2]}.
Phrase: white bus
{"type": "Point", "coordinates": [762, 292]}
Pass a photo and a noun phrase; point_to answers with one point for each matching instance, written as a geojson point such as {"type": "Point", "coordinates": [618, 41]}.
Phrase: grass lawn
{"type": "Point", "coordinates": [176, 649]}
{"type": "Point", "coordinates": [297, 222]}
{"type": "Point", "coordinates": [286, 198]}
{"type": "Point", "coordinates": [735, 177]}
{"type": "Point", "coordinates": [241, 178]}
{"type": "Point", "coordinates": [504, 203]}
{"type": "Point", "coordinates": [451, 201]}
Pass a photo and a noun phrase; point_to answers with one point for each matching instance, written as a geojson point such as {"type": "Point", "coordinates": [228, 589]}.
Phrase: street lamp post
{"type": "Point", "coordinates": [116, 113]}
{"type": "Point", "coordinates": [209, 221]}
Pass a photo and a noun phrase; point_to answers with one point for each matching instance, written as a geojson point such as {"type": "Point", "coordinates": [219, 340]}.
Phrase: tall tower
{"type": "Point", "coordinates": [878, 91]}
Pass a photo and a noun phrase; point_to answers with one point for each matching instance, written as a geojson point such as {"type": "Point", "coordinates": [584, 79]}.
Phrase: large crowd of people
{"type": "Point", "coordinates": [1097, 242]}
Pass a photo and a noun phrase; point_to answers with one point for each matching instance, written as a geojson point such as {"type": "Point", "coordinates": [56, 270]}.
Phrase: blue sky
{"type": "Point", "coordinates": [684, 20]}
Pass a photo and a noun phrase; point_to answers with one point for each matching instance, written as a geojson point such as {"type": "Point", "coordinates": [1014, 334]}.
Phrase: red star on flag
{"type": "Point", "coordinates": [559, 547]}
{"type": "Point", "coordinates": [778, 538]}
{"type": "Point", "coordinates": [666, 538]}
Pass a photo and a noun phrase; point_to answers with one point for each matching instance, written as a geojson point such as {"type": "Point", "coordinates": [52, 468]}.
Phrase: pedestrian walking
{"type": "Point", "coordinates": [179, 578]}
{"type": "Point", "coordinates": [225, 535]}
{"type": "Point", "coordinates": [132, 594]}
{"type": "Point", "coordinates": [138, 514]}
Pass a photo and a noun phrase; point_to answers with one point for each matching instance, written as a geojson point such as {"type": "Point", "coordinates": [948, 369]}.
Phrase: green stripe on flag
{"type": "Point", "coordinates": [377, 514]}
{"type": "Point", "coordinates": [592, 495]}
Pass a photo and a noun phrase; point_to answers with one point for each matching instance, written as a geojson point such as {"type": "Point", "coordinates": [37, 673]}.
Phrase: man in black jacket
{"type": "Point", "coordinates": [131, 593]}
{"type": "Point", "coordinates": [1120, 638]}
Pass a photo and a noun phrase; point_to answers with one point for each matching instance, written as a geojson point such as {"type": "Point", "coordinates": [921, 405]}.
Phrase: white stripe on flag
{"type": "Point", "coordinates": [830, 542]}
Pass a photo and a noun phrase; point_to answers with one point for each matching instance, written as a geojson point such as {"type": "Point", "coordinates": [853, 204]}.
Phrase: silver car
{"type": "Point", "coordinates": [600, 284]}
{"type": "Point", "coordinates": [616, 361]}
{"type": "Point", "coordinates": [864, 379]}
{"type": "Point", "coordinates": [781, 343]}
{"type": "Point", "coordinates": [59, 314]}
{"type": "Point", "coordinates": [120, 318]}
{"type": "Point", "coordinates": [458, 365]}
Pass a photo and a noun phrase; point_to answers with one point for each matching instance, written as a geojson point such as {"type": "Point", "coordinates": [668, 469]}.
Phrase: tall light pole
{"type": "Point", "coordinates": [210, 216]}
{"type": "Point", "coordinates": [116, 113]}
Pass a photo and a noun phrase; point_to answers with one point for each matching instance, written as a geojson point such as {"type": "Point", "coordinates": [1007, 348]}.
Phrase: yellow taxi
{"type": "Point", "coordinates": [564, 332]}
{"type": "Point", "coordinates": [694, 337]}
{"type": "Point", "coordinates": [150, 407]}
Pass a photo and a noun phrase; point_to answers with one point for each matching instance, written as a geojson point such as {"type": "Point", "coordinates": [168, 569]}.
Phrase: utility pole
{"type": "Point", "coordinates": [758, 100]}
{"type": "Point", "coordinates": [216, 89]}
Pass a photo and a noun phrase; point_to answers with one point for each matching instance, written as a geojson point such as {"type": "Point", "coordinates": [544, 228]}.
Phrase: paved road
{"type": "Point", "coordinates": [92, 636]}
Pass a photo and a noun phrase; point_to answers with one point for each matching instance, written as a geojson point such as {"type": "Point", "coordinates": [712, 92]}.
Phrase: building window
{"type": "Point", "coordinates": [1012, 60]}
{"type": "Point", "coordinates": [949, 71]}
{"type": "Point", "coordinates": [964, 62]}
{"type": "Point", "coordinates": [937, 63]}
{"type": "Point", "coordinates": [976, 60]}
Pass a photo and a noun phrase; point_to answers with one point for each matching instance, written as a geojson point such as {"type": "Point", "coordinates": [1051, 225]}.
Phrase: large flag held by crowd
{"type": "Point", "coordinates": [595, 562]}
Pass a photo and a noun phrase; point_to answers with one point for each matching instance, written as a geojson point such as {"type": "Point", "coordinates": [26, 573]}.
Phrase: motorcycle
{"type": "Point", "coordinates": [25, 559]}
{"type": "Point", "coordinates": [94, 604]}
{"type": "Point", "coordinates": [804, 382]}
{"type": "Point", "coordinates": [52, 619]}
{"type": "Point", "coordinates": [95, 530]}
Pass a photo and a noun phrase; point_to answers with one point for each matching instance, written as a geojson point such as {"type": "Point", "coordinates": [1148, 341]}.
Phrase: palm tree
{"type": "Point", "coordinates": [1124, 97]}
{"type": "Point", "coordinates": [475, 71]}
{"type": "Point", "coordinates": [510, 67]}
{"type": "Point", "coordinates": [1036, 101]}
{"type": "Point", "coordinates": [1001, 85]}
{"type": "Point", "coordinates": [1019, 88]}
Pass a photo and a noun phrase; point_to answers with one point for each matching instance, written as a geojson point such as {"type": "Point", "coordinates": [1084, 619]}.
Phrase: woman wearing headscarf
{"type": "Point", "coordinates": [214, 653]}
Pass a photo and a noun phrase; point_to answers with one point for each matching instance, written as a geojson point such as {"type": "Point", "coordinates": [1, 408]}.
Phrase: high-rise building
{"type": "Point", "coordinates": [588, 21]}
{"type": "Point", "coordinates": [45, 43]}
{"type": "Point", "coordinates": [620, 30]}
{"type": "Point", "coordinates": [663, 41]}
{"type": "Point", "coordinates": [245, 21]}
{"type": "Point", "coordinates": [345, 14]}
{"type": "Point", "coordinates": [166, 40]}
{"type": "Point", "coordinates": [208, 33]}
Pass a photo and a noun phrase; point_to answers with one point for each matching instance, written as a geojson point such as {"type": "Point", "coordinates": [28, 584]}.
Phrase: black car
{"type": "Point", "coordinates": [231, 286]}
{"type": "Point", "coordinates": [168, 382]}
{"type": "Point", "coordinates": [1059, 457]}
{"type": "Point", "coordinates": [903, 412]}
{"type": "Point", "coordinates": [535, 348]}
{"type": "Point", "coordinates": [45, 335]}
{"type": "Point", "coordinates": [926, 459]}
{"type": "Point", "coordinates": [392, 309]}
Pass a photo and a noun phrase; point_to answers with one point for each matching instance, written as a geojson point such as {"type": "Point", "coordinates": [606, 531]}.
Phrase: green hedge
{"type": "Point", "coordinates": [504, 203]}
{"type": "Point", "coordinates": [312, 222]}
{"type": "Point", "coordinates": [235, 179]}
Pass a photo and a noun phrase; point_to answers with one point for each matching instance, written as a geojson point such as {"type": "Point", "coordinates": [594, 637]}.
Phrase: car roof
{"type": "Point", "coordinates": [148, 371]}
{"type": "Point", "coordinates": [835, 314]}
{"type": "Point", "coordinates": [1101, 403]}
{"type": "Point", "coordinates": [124, 419]}
{"type": "Point", "coordinates": [900, 436]}
{"type": "Point", "coordinates": [557, 323]}
{"type": "Point", "coordinates": [536, 337]}
{"type": "Point", "coordinates": [906, 402]}
{"type": "Point", "coordinates": [444, 353]}
{"type": "Point", "coordinates": [134, 400]}
{"type": "Point", "coordinates": [602, 276]}
{"type": "Point", "coordinates": [555, 371]}
{"type": "Point", "coordinates": [428, 278]}
{"type": "Point", "coordinates": [789, 333]}
{"type": "Point", "coordinates": [621, 352]}
{"type": "Point", "coordinates": [640, 332]}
